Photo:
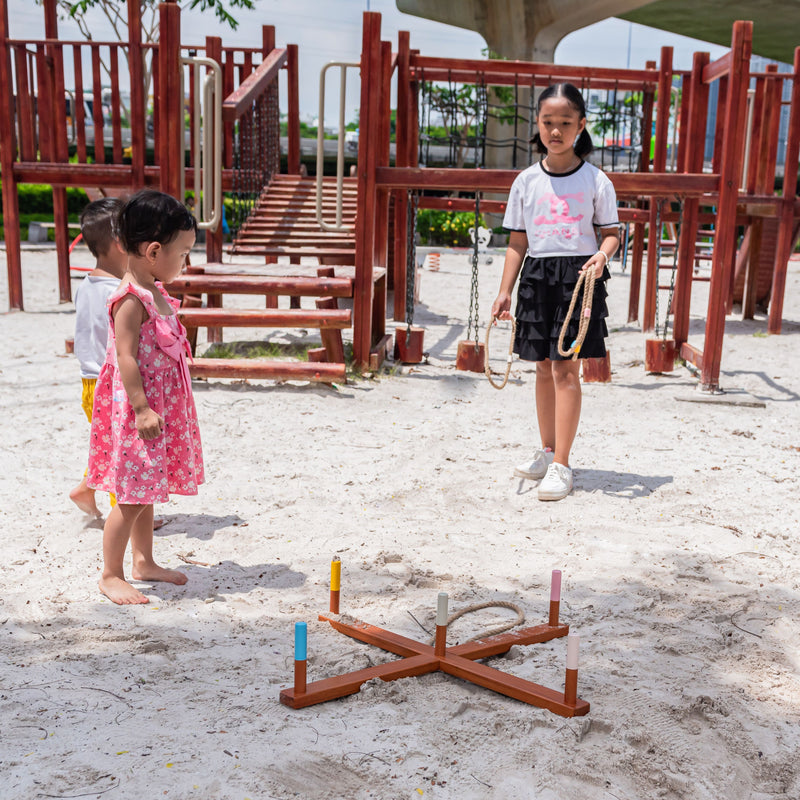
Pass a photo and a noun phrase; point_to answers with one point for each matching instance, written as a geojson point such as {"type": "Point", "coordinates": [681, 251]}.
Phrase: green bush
{"type": "Point", "coordinates": [37, 198]}
{"type": "Point", "coordinates": [446, 228]}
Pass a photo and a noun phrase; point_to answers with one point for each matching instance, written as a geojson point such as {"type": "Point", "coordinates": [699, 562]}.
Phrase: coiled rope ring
{"type": "Point", "coordinates": [586, 278]}
{"type": "Point", "coordinates": [486, 368]}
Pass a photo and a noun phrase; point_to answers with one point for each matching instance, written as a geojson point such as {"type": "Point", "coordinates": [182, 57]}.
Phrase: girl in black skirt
{"type": "Point", "coordinates": [555, 211]}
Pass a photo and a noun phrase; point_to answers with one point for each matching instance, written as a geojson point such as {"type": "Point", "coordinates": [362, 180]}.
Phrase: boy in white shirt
{"type": "Point", "coordinates": [98, 228]}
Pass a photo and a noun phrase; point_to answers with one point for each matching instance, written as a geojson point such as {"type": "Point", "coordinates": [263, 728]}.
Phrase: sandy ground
{"type": "Point", "coordinates": [679, 550]}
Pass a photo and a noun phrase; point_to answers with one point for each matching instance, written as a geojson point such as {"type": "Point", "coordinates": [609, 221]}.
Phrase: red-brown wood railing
{"type": "Point", "coordinates": [104, 142]}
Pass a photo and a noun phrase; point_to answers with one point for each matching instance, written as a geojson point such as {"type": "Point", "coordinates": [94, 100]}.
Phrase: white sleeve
{"type": "Point", "coordinates": [514, 219]}
{"type": "Point", "coordinates": [605, 203]}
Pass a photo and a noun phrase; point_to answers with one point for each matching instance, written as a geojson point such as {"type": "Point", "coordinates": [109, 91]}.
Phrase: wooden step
{"type": "Point", "coordinates": [265, 318]}
{"type": "Point", "coordinates": [265, 249]}
{"type": "Point", "coordinates": [281, 227]}
{"type": "Point", "coordinates": [244, 368]}
{"type": "Point", "coordinates": [307, 242]}
{"type": "Point", "coordinates": [258, 284]}
{"type": "Point", "coordinates": [266, 225]}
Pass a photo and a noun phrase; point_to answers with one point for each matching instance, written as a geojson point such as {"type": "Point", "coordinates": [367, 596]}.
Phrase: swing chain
{"type": "Point", "coordinates": [411, 257]}
{"type": "Point", "coordinates": [657, 233]}
{"type": "Point", "coordinates": [472, 320]}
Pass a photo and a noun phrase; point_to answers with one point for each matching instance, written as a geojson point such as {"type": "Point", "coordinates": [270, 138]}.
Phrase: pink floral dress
{"type": "Point", "coordinates": [141, 472]}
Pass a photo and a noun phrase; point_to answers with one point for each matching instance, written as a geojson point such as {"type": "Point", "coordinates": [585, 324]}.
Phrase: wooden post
{"type": "Point", "coordinates": [730, 166]}
{"type": "Point", "coordinates": [785, 232]}
{"type": "Point", "coordinates": [369, 124]}
{"type": "Point", "coordinates": [336, 584]}
{"type": "Point", "coordinates": [8, 155]}
{"type": "Point", "coordinates": [697, 114]}
{"type": "Point", "coordinates": [170, 141]}
{"type": "Point", "coordinates": [649, 320]}
{"type": "Point", "coordinates": [300, 656]}
{"type": "Point", "coordinates": [138, 101]}
{"type": "Point", "coordinates": [440, 644]}
{"type": "Point", "coordinates": [555, 597]}
{"type": "Point", "coordinates": [571, 678]}
{"type": "Point", "coordinates": [684, 143]}
{"type": "Point", "coordinates": [59, 152]}
{"type": "Point", "coordinates": [293, 116]}
{"type": "Point", "coordinates": [638, 228]}
{"type": "Point", "coordinates": [401, 218]}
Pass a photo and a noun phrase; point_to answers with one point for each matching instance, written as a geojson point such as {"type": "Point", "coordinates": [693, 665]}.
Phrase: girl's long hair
{"type": "Point", "coordinates": [583, 144]}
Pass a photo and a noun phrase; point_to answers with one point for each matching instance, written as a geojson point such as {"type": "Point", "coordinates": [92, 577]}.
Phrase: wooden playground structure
{"type": "Point", "coordinates": [727, 194]}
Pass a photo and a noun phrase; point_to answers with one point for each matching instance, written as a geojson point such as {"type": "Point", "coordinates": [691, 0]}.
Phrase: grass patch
{"type": "Point", "coordinates": [272, 350]}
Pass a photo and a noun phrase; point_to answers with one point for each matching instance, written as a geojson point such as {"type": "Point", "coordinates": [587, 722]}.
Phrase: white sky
{"type": "Point", "coordinates": [330, 30]}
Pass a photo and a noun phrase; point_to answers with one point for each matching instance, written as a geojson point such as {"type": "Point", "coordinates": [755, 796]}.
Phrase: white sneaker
{"type": "Point", "coordinates": [557, 483]}
{"type": "Point", "coordinates": [536, 468]}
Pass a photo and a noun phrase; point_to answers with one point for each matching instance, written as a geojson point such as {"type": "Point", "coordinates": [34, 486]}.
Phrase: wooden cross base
{"type": "Point", "coordinates": [420, 659]}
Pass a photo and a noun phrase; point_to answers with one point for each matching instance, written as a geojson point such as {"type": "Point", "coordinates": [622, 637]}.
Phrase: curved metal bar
{"type": "Point", "coordinates": [343, 65]}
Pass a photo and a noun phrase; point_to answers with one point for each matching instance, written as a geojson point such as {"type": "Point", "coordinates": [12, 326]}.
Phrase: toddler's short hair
{"type": "Point", "coordinates": [99, 224]}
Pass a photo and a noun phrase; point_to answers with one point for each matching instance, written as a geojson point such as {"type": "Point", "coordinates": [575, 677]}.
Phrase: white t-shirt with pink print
{"type": "Point", "coordinates": [560, 213]}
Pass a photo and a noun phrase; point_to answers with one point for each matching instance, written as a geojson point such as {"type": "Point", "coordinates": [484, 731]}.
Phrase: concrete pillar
{"type": "Point", "coordinates": [528, 30]}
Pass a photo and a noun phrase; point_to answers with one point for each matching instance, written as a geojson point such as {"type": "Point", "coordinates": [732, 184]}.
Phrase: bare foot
{"type": "Point", "coordinates": [83, 497]}
{"type": "Point", "coordinates": [159, 522]}
{"type": "Point", "coordinates": [121, 592]}
{"type": "Point", "coordinates": [152, 572]}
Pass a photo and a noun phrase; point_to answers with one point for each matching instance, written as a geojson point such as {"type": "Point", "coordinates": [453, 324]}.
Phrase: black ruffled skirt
{"type": "Point", "coordinates": [543, 297]}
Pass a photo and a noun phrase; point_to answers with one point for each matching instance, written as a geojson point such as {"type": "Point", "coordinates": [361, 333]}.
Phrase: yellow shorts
{"type": "Point", "coordinates": [87, 404]}
{"type": "Point", "coordinates": [87, 396]}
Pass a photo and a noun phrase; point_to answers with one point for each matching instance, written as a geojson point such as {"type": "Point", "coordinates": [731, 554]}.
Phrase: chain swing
{"type": "Point", "coordinates": [471, 355]}
{"type": "Point", "coordinates": [673, 273]}
{"type": "Point", "coordinates": [408, 340]}
{"type": "Point", "coordinates": [659, 350]}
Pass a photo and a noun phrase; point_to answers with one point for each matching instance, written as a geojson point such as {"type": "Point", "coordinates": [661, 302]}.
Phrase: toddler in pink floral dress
{"type": "Point", "coordinates": [145, 440]}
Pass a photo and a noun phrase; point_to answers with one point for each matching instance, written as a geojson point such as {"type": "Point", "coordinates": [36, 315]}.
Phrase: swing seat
{"type": "Point", "coordinates": [408, 344]}
{"type": "Point", "coordinates": [471, 356]}
{"type": "Point", "coordinates": [659, 355]}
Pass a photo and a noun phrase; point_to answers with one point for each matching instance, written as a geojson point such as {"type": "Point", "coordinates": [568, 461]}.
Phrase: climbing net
{"type": "Point", "coordinates": [461, 123]}
{"type": "Point", "coordinates": [256, 154]}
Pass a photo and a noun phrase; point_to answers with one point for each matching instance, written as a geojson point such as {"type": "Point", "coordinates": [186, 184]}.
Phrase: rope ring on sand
{"type": "Point", "coordinates": [486, 368]}
{"type": "Point", "coordinates": [492, 631]}
{"type": "Point", "coordinates": [586, 278]}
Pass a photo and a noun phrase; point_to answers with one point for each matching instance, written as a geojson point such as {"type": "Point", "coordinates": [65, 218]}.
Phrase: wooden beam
{"type": "Point", "coordinates": [260, 284]}
{"type": "Point", "coordinates": [264, 318]}
{"type": "Point", "coordinates": [717, 69]}
{"type": "Point", "coordinates": [246, 368]}
{"type": "Point", "coordinates": [631, 184]}
{"type": "Point", "coordinates": [551, 73]}
{"type": "Point", "coordinates": [293, 111]}
{"type": "Point", "coordinates": [254, 85]}
{"type": "Point", "coordinates": [649, 320]}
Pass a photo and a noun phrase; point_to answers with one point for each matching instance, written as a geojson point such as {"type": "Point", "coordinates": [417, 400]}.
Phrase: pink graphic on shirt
{"type": "Point", "coordinates": [554, 209]}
